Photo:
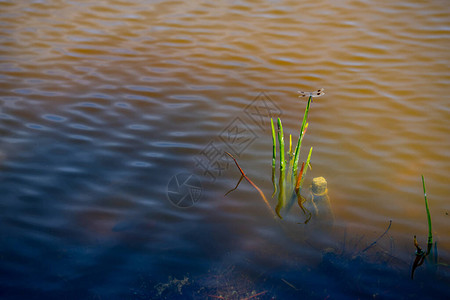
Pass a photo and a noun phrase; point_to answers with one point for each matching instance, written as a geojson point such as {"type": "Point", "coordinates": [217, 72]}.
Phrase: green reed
{"type": "Point", "coordinates": [420, 254]}
{"type": "Point", "coordinates": [274, 148]}
{"type": "Point", "coordinates": [282, 181]}
{"type": "Point", "coordinates": [274, 158]}
{"type": "Point", "coordinates": [430, 234]}
{"type": "Point", "coordinates": [301, 135]}
{"type": "Point", "coordinates": [281, 142]}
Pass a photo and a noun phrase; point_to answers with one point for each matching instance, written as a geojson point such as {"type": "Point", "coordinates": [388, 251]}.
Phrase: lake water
{"type": "Point", "coordinates": [105, 104]}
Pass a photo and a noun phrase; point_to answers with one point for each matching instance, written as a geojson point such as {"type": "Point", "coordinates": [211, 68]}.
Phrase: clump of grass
{"type": "Point", "coordinates": [293, 182]}
{"type": "Point", "coordinates": [294, 179]}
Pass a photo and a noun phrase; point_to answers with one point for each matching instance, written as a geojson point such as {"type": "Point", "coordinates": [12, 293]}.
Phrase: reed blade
{"type": "Point", "coordinates": [274, 182]}
{"type": "Point", "coordinates": [430, 233]}
{"type": "Point", "coordinates": [290, 145]}
{"type": "Point", "coordinates": [274, 157]}
{"type": "Point", "coordinates": [305, 170]}
{"type": "Point", "coordinates": [282, 193]}
{"type": "Point", "coordinates": [274, 145]}
{"type": "Point", "coordinates": [281, 142]}
{"type": "Point", "coordinates": [300, 138]}
{"type": "Point", "coordinates": [282, 181]}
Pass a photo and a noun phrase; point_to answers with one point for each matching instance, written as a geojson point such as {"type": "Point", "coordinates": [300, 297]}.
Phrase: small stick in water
{"type": "Point", "coordinates": [251, 182]}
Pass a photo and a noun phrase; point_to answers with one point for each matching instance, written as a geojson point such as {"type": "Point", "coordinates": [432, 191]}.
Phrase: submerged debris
{"type": "Point", "coordinates": [173, 285]}
{"type": "Point", "coordinates": [321, 201]}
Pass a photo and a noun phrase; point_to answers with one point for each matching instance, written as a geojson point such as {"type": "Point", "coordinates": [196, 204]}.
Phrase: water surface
{"type": "Point", "coordinates": [101, 104]}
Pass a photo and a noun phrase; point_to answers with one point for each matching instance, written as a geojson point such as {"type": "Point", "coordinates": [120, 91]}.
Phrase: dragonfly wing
{"type": "Point", "coordinates": [317, 93]}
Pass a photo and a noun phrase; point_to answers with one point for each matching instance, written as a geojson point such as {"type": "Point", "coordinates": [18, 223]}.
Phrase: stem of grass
{"type": "Point", "coordinates": [282, 181]}
{"type": "Point", "coordinates": [430, 234]}
{"type": "Point", "coordinates": [274, 147]}
{"type": "Point", "coordinates": [274, 157]}
{"type": "Point", "coordinates": [304, 171]}
{"type": "Point", "coordinates": [300, 138]}
{"type": "Point", "coordinates": [281, 142]}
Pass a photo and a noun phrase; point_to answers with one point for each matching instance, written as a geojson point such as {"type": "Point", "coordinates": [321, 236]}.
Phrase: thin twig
{"type": "Point", "coordinates": [235, 186]}
{"type": "Point", "coordinates": [371, 245]}
{"type": "Point", "coordinates": [217, 297]}
{"type": "Point", "coordinates": [255, 295]}
{"type": "Point", "coordinates": [251, 182]}
{"type": "Point", "coordinates": [289, 284]}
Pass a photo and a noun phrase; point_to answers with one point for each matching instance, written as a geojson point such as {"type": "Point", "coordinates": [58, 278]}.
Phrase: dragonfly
{"type": "Point", "coordinates": [317, 93]}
